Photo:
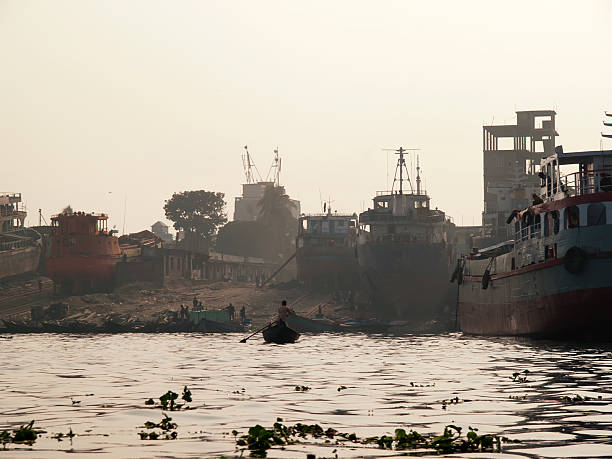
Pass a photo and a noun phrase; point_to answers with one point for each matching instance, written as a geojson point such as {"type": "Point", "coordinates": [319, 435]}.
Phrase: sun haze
{"type": "Point", "coordinates": [113, 106]}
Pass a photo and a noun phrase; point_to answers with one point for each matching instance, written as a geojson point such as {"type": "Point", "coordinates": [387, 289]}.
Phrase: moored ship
{"type": "Point", "coordinates": [405, 251]}
{"type": "Point", "coordinates": [20, 248]}
{"type": "Point", "coordinates": [555, 277]}
{"type": "Point", "coordinates": [84, 252]}
{"type": "Point", "coordinates": [326, 251]}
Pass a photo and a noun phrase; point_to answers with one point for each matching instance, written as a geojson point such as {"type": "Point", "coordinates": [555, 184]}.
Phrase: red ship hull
{"type": "Point", "coordinates": [77, 273]}
{"type": "Point", "coordinates": [542, 299]}
{"type": "Point", "coordinates": [84, 253]}
{"type": "Point", "coordinates": [557, 315]}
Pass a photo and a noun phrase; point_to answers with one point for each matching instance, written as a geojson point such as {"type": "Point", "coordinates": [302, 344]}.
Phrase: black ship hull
{"type": "Point", "coordinates": [407, 280]}
{"type": "Point", "coordinates": [329, 268]}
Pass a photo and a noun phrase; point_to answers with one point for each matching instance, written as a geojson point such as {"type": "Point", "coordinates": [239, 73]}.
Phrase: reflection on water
{"type": "Point", "coordinates": [391, 382]}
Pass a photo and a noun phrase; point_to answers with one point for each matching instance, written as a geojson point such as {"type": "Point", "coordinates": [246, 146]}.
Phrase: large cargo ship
{"type": "Point", "coordinates": [555, 276]}
{"type": "Point", "coordinates": [326, 251]}
{"type": "Point", "coordinates": [20, 248]}
{"type": "Point", "coordinates": [406, 252]}
{"type": "Point", "coordinates": [84, 252]}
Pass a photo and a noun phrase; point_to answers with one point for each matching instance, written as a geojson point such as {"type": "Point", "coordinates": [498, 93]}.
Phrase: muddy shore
{"type": "Point", "coordinates": [141, 307]}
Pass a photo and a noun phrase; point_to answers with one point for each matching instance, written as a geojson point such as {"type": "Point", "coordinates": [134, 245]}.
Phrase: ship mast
{"type": "Point", "coordinates": [401, 167]}
{"type": "Point", "coordinates": [418, 178]}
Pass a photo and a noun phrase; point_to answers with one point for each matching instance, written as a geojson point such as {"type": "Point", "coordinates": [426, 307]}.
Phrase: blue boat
{"type": "Point", "coordinates": [214, 321]}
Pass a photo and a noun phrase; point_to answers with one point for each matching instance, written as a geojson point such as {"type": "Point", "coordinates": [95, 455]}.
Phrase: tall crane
{"type": "Point", "coordinates": [249, 166]}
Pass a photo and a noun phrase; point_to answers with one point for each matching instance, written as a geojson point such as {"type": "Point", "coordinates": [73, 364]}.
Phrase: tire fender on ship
{"type": "Point", "coordinates": [575, 260]}
{"type": "Point", "coordinates": [486, 278]}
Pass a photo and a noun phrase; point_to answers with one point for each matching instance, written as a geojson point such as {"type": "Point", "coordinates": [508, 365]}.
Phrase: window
{"type": "Point", "coordinates": [547, 225]}
{"type": "Point", "coordinates": [596, 214]}
{"type": "Point", "coordinates": [537, 227]}
{"type": "Point", "coordinates": [572, 217]}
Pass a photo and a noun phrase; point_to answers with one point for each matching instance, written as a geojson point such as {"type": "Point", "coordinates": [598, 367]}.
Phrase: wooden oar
{"type": "Point", "coordinates": [244, 340]}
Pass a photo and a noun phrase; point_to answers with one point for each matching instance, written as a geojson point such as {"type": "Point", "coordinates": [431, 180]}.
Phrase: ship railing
{"type": "Point", "coordinates": [587, 182]}
{"type": "Point", "coordinates": [392, 192]}
{"type": "Point", "coordinates": [403, 238]}
{"type": "Point", "coordinates": [334, 214]}
{"type": "Point", "coordinates": [21, 214]}
{"type": "Point", "coordinates": [8, 194]}
{"type": "Point", "coordinates": [528, 232]}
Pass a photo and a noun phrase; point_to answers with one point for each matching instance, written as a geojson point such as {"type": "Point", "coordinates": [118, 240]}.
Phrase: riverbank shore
{"type": "Point", "coordinates": [143, 308]}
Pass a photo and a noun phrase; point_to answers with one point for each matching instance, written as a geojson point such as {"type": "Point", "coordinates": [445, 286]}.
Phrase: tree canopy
{"type": "Point", "coordinates": [199, 212]}
{"type": "Point", "coordinates": [276, 214]}
{"type": "Point", "coordinates": [247, 239]}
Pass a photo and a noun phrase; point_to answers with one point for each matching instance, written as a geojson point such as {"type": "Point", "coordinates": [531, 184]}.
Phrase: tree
{"type": "Point", "coordinates": [276, 213]}
{"type": "Point", "coordinates": [198, 213]}
{"type": "Point", "coordinates": [247, 239]}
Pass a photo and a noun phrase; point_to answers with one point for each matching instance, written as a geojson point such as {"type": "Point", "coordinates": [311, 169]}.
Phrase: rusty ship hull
{"type": "Point", "coordinates": [543, 300]}
{"type": "Point", "coordinates": [335, 267]}
{"type": "Point", "coordinates": [15, 262]}
{"type": "Point", "coordinates": [84, 254]}
{"type": "Point", "coordinates": [77, 273]}
{"type": "Point", "coordinates": [407, 280]}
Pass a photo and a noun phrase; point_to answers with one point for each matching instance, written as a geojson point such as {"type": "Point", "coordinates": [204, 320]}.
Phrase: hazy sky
{"type": "Point", "coordinates": [100, 100]}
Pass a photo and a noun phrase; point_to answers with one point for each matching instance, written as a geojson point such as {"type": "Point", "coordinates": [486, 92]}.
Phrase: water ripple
{"type": "Point", "coordinates": [391, 381]}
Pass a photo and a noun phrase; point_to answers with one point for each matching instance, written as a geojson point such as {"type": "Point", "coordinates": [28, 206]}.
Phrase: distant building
{"type": "Point", "coordinates": [12, 214]}
{"type": "Point", "coordinates": [511, 157]}
{"type": "Point", "coordinates": [246, 208]}
{"type": "Point", "coordinates": [160, 229]}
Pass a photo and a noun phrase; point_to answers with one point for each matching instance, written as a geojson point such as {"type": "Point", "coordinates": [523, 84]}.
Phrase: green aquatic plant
{"type": "Point", "coordinates": [452, 401]}
{"type": "Point", "coordinates": [5, 437]}
{"type": "Point", "coordinates": [24, 434]}
{"type": "Point", "coordinates": [60, 436]}
{"type": "Point", "coordinates": [413, 384]}
{"type": "Point", "coordinates": [167, 401]}
{"type": "Point", "coordinates": [167, 427]}
{"type": "Point", "coordinates": [186, 394]}
{"type": "Point", "coordinates": [259, 439]}
{"type": "Point", "coordinates": [410, 440]}
{"type": "Point", "coordinates": [516, 376]}
{"type": "Point", "coordinates": [578, 398]}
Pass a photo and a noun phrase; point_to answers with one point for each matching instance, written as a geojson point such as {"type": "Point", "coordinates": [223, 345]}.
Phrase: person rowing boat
{"type": "Point", "coordinates": [283, 312]}
{"type": "Point", "coordinates": [280, 333]}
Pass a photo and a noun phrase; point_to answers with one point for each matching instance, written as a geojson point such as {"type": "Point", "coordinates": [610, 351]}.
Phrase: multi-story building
{"type": "Point", "coordinates": [246, 206]}
{"type": "Point", "coordinates": [12, 215]}
{"type": "Point", "coordinates": [511, 158]}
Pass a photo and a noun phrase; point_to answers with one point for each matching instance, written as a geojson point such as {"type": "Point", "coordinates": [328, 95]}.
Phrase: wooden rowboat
{"type": "Point", "coordinates": [317, 325]}
{"type": "Point", "coordinates": [279, 333]}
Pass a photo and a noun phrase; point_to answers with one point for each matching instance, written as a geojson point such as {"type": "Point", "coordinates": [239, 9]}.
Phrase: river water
{"type": "Point", "coordinates": [97, 386]}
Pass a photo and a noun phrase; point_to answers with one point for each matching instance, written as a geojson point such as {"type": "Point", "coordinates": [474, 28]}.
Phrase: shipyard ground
{"type": "Point", "coordinates": [141, 303]}
{"type": "Point", "coordinates": [143, 307]}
